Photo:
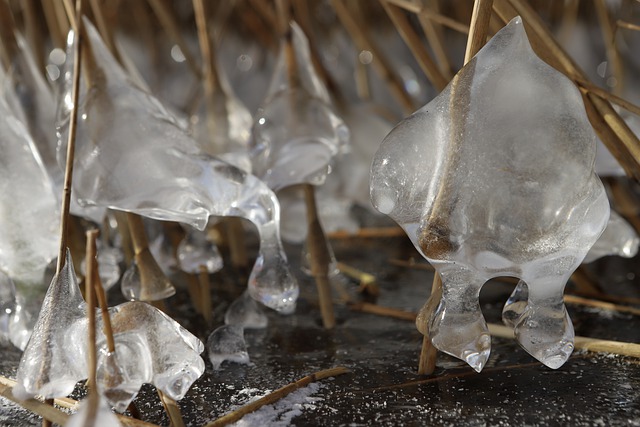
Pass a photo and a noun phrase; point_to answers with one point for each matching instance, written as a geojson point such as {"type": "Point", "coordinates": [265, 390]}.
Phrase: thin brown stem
{"type": "Point", "coordinates": [364, 41]}
{"type": "Point", "coordinates": [275, 396]}
{"type": "Point", "coordinates": [319, 257]}
{"type": "Point", "coordinates": [167, 20]}
{"type": "Point", "coordinates": [172, 409]}
{"type": "Point", "coordinates": [478, 29]}
{"type": "Point", "coordinates": [415, 44]}
{"type": "Point", "coordinates": [90, 262]}
{"type": "Point", "coordinates": [71, 141]}
{"type": "Point", "coordinates": [205, 295]}
{"type": "Point", "coordinates": [608, 34]}
{"type": "Point", "coordinates": [104, 310]}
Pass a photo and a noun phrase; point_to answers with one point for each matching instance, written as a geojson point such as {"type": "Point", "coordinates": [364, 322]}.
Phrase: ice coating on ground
{"type": "Point", "coordinates": [245, 312]}
{"type": "Point", "coordinates": [49, 366]}
{"type": "Point", "coordinates": [93, 412]}
{"type": "Point", "coordinates": [494, 177]}
{"type": "Point", "coordinates": [29, 218]}
{"type": "Point", "coordinates": [296, 133]}
{"type": "Point", "coordinates": [195, 251]}
{"type": "Point", "coordinates": [226, 343]}
{"type": "Point", "coordinates": [132, 155]}
{"type": "Point", "coordinates": [619, 238]}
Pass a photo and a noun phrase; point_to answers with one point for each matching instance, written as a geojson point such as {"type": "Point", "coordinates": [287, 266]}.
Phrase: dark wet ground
{"type": "Point", "coordinates": [382, 353]}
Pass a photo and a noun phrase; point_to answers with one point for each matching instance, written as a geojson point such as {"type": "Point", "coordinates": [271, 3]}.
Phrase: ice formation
{"type": "Point", "coordinates": [93, 412]}
{"type": "Point", "coordinates": [32, 102]}
{"type": "Point", "coordinates": [619, 238]}
{"type": "Point", "coordinates": [195, 250]}
{"type": "Point", "coordinates": [29, 215]}
{"type": "Point", "coordinates": [51, 365]}
{"type": "Point", "coordinates": [246, 313]}
{"type": "Point", "coordinates": [296, 134]}
{"type": "Point", "coordinates": [227, 343]}
{"type": "Point", "coordinates": [494, 177]}
{"type": "Point", "coordinates": [150, 348]}
{"type": "Point", "coordinates": [222, 125]}
{"type": "Point", "coordinates": [132, 155]}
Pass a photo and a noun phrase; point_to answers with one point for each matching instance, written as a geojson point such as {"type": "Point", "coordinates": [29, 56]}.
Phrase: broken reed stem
{"type": "Point", "coordinates": [90, 262]}
{"type": "Point", "coordinates": [627, 25]}
{"type": "Point", "coordinates": [276, 395]}
{"type": "Point", "coordinates": [369, 232]}
{"type": "Point", "coordinates": [104, 309]}
{"type": "Point", "coordinates": [71, 142]}
{"type": "Point", "coordinates": [478, 29]}
{"type": "Point", "coordinates": [53, 414]}
{"type": "Point", "coordinates": [433, 33]}
{"type": "Point", "coordinates": [45, 410]}
{"type": "Point", "coordinates": [608, 35]}
{"type": "Point", "coordinates": [165, 16]}
{"type": "Point", "coordinates": [436, 229]}
{"type": "Point", "coordinates": [319, 257]}
{"type": "Point", "coordinates": [500, 331]}
{"type": "Point", "coordinates": [210, 70]}
{"type": "Point", "coordinates": [425, 12]}
{"type": "Point", "coordinates": [9, 44]}
{"type": "Point", "coordinates": [581, 343]}
{"type": "Point", "coordinates": [363, 41]}
{"type": "Point", "coordinates": [415, 44]}
{"type": "Point", "coordinates": [236, 242]}
{"type": "Point", "coordinates": [138, 235]}
{"type": "Point", "coordinates": [205, 295]}
{"type": "Point", "coordinates": [428, 357]}
{"type": "Point", "coordinates": [172, 409]}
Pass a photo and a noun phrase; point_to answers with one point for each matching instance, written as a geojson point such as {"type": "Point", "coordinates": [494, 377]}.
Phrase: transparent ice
{"type": "Point", "coordinates": [296, 133]}
{"type": "Point", "coordinates": [32, 102]}
{"type": "Point", "coordinates": [227, 343]}
{"type": "Point", "coordinates": [29, 218]}
{"type": "Point", "coordinates": [93, 412]}
{"type": "Point", "coordinates": [619, 238]}
{"type": "Point", "coordinates": [145, 270]}
{"type": "Point", "coordinates": [7, 305]}
{"type": "Point", "coordinates": [51, 364]}
{"type": "Point", "coordinates": [195, 250]}
{"type": "Point", "coordinates": [109, 259]}
{"type": "Point", "coordinates": [494, 177]}
{"type": "Point", "coordinates": [152, 348]}
{"type": "Point", "coordinates": [132, 155]}
{"type": "Point", "coordinates": [247, 313]}
{"type": "Point", "coordinates": [222, 125]}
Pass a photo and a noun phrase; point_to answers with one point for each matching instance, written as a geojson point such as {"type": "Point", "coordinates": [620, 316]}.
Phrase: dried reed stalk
{"type": "Point", "coordinates": [363, 41]}
{"type": "Point", "coordinates": [276, 395]}
{"type": "Point", "coordinates": [411, 38]}
{"type": "Point", "coordinates": [172, 409]}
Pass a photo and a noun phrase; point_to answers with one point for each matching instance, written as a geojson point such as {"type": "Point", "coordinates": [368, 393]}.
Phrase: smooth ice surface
{"type": "Point", "coordinates": [51, 365]}
{"type": "Point", "coordinates": [246, 313]}
{"type": "Point", "coordinates": [153, 348]}
{"type": "Point", "coordinates": [31, 100]}
{"type": "Point", "coordinates": [227, 343]}
{"type": "Point", "coordinates": [296, 133]}
{"type": "Point", "coordinates": [29, 218]}
{"type": "Point", "coordinates": [195, 251]}
{"type": "Point", "coordinates": [109, 259]}
{"type": "Point", "coordinates": [93, 412]}
{"type": "Point", "coordinates": [222, 125]}
{"type": "Point", "coordinates": [619, 238]}
{"type": "Point", "coordinates": [494, 177]}
{"type": "Point", "coordinates": [164, 175]}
